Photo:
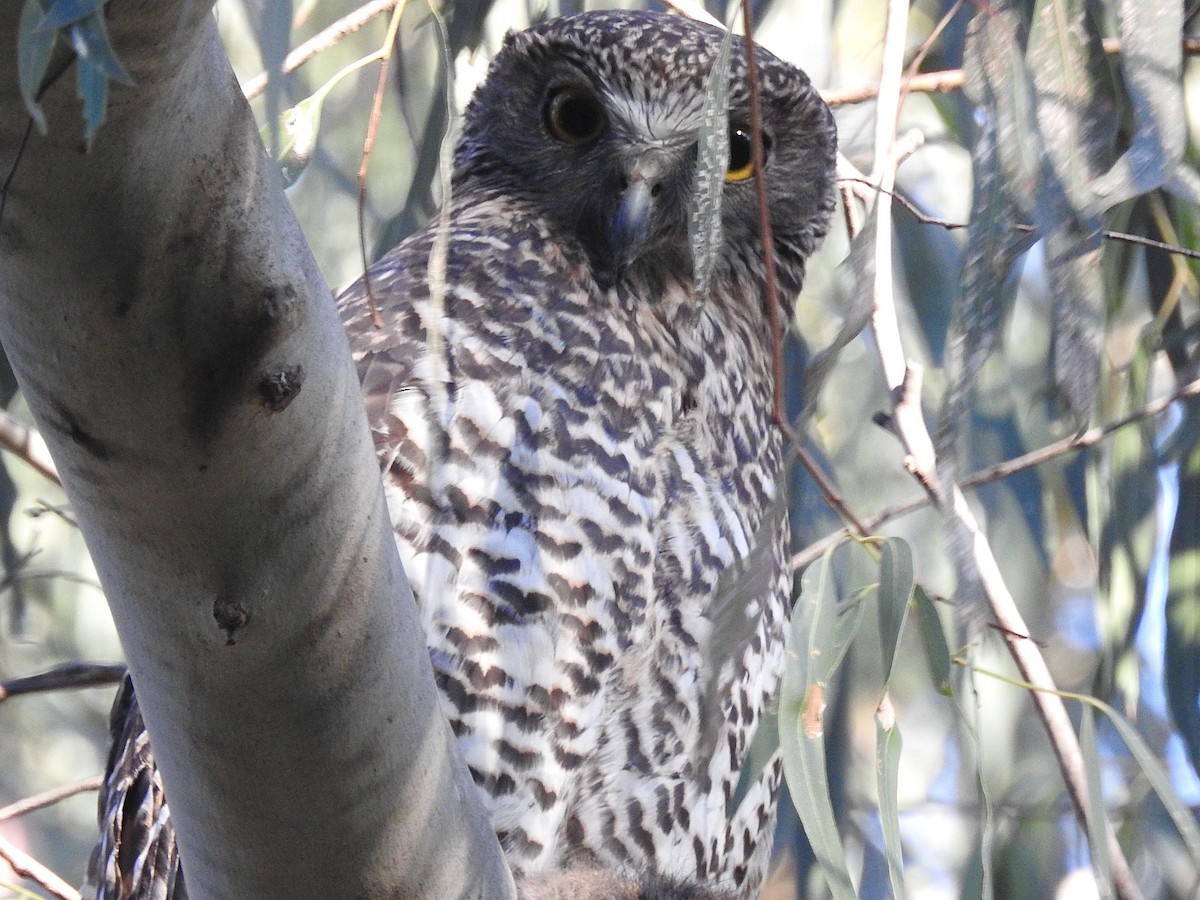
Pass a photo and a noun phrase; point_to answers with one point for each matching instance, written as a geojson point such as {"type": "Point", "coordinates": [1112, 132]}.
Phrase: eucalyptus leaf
{"type": "Point", "coordinates": [1076, 291]}
{"type": "Point", "coordinates": [66, 12]}
{"type": "Point", "coordinates": [1181, 815]}
{"type": "Point", "coordinates": [895, 588]}
{"type": "Point", "coordinates": [89, 39]}
{"type": "Point", "coordinates": [705, 230]}
{"type": "Point", "coordinates": [933, 637]}
{"type": "Point", "coordinates": [801, 722]}
{"type": "Point", "coordinates": [1094, 811]}
{"type": "Point", "coordinates": [856, 276]}
{"type": "Point", "coordinates": [1182, 662]}
{"type": "Point", "coordinates": [274, 33]}
{"type": "Point", "coordinates": [33, 57]}
{"type": "Point", "coordinates": [995, 79]}
{"type": "Point", "coordinates": [92, 85]}
{"type": "Point", "coordinates": [1076, 111]}
{"type": "Point", "coordinates": [887, 774]}
{"type": "Point", "coordinates": [1152, 65]}
{"type": "Point", "coordinates": [993, 245]}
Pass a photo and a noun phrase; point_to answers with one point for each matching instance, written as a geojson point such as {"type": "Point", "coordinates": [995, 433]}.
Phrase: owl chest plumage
{"type": "Point", "coordinates": [570, 470]}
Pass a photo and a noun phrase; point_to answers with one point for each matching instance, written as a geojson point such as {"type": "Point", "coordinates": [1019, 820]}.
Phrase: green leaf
{"type": "Point", "coordinates": [1152, 65]}
{"type": "Point", "coordinates": [1077, 294]}
{"type": "Point", "coordinates": [1076, 111]}
{"type": "Point", "coordinates": [33, 57]}
{"type": "Point", "coordinates": [299, 127]}
{"type": "Point", "coordinates": [857, 273]}
{"type": "Point", "coordinates": [995, 78]}
{"type": "Point", "coordinates": [1094, 813]}
{"type": "Point", "coordinates": [887, 775]}
{"type": "Point", "coordinates": [1184, 821]}
{"type": "Point", "coordinates": [66, 12]}
{"type": "Point", "coordinates": [705, 230]}
{"type": "Point", "coordinates": [1182, 660]}
{"type": "Point", "coordinates": [993, 245]}
{"type": "Point", "coordinates": [933, 637]}
{"type": "Point", "coordinates": [92, 86]}
{"type": "Point", "coordinates": [801, 723]}
{"type": "Point", "coordinates": [274, 33]}
{"type": "Point", "coordinates": [89, 40]}
{"type": "Point", "coordinates": [895, 588]}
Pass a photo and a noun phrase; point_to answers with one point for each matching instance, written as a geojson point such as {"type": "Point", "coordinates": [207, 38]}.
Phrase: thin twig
{"type": "Point", "coordinates": [1005, 469]}
{"type": "Point", "coordinates": [948, 80]}
{"type": "Point", "coordinates": [925, 219]}
{"type": "Point", "coordinates": [28, 867]}
{"type": "Point", "coordinates": [830, 492]}
{"type": "Point", "coordinates": [925, 83]}
{"type": "Point", "coordinates": [323, 40]}
{"type": "Point", "coordinates": [50, 797]}
{"type": "Point", "coordinates": [64, 677]}
{"type": "Point", "coordinates": [764, 219]}
{"type": "Point", "coordinates": [385, 62]}
{"type": "Point", "coordinates": [27, 444]}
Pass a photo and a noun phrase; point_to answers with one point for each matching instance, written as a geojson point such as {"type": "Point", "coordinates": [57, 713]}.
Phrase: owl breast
{"type": "Point", "coordinates": [570, 471]}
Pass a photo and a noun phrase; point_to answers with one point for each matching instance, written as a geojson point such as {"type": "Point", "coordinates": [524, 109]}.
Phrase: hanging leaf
{"type": "Point", "coordinates": [856, 276]}
{"type": "Point", "coordinates": [89, 39]}
{"type": "Point", "coordinates": [887, 781]}
{"type": "Point", "coordinates": [1094, 812]}
{"type": "Point", "coordinates": [993, 245]}
{"type": "Point", "coordinates": [33, 57]}
{"type": "Point", "coordinates": [996, 81]}
{"type": "Point", "coordinates": [705, 230]}
{"type": "Point", "coordinates": [66, 12]}
{"type": "Point", "coordinates": [1182, 660]}
{"type": "Point", "coordinates": [1076, 112]}
{"type": "Point", "coordinates": [1152, 65]}
{"type": "Point", "coordinates": [933, 637]}
{"type": "Point", "coordinates": [1075, 278]}
{"type": "Point", "coordinates": [92, 87]}
{"type": "Point", "coordinates": [895, 588]}
{"type": "Point", "coordinates": [1181, 815]}
{"type": "Point", "coordinates": [801, 722]}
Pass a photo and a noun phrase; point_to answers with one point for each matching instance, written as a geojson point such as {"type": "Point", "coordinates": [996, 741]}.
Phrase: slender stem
{"type": "Point", "coordinates": [28, 867]}
{"type": "Point", "coordinates": [764, 219]}
{"type": "Point", "coordinates": [50, 797]}
{"type": "Point", "coordinates": [323, 40]}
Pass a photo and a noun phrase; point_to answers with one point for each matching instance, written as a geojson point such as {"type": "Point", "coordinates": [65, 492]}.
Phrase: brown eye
{"type": "Point", "coordinates": [741, 153]}
{"type": "Point", "coordinates": [574, 116]}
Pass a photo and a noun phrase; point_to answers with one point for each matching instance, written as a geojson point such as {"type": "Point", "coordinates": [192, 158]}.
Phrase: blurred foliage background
{"type": "Point", "coordinates": [1027, 336]}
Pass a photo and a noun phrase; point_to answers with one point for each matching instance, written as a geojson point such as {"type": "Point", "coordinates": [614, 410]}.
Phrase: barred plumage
{"type": "Point", "coordinates": [577, 448]}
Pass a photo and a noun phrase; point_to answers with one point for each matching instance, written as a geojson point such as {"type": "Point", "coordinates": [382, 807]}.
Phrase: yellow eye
{"type": "Point", "coordinates": [574, 116]}
{"type": "Point", "coordinates": [741, 153]}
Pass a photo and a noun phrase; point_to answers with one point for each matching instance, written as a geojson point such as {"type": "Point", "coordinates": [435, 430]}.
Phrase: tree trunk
{"type": "Point", "coordinates": [184, 360]}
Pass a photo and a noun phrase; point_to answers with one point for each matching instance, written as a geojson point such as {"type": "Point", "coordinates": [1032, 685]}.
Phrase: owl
{"type": "Point", "coordinates": [580, 459]}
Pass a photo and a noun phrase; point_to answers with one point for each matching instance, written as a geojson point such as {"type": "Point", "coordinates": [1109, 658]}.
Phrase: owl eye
{"type": "Point", "coordinates": [741, 153]}
{"type": "Point", "coordinates": [574, 116]}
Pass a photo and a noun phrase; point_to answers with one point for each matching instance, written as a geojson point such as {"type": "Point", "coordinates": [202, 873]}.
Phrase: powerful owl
{"type": "Point", "coordinates": [581, 462]}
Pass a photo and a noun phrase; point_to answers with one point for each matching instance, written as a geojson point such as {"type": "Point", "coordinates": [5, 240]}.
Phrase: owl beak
{"type": "Point", "coordinates": [630, 224]}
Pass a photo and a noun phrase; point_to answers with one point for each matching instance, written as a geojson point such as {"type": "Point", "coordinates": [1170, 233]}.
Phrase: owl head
{"type": "Point", "coordinates": [595, 119]}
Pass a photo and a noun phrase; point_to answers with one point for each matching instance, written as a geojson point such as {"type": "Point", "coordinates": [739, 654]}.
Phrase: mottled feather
{"type": "Point", "coordinates": [578, 450]}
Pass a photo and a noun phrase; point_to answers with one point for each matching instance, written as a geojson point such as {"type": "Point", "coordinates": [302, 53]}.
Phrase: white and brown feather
{"type": "Point", "coordinates": [574, 454]}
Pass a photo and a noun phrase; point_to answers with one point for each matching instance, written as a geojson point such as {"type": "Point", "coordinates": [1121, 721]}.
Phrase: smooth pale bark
{"type": "Point", "coordinates": [184, 360]}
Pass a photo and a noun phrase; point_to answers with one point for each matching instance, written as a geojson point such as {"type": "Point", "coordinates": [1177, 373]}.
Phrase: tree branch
{"type": "Point", "coordinates": [28, 867]}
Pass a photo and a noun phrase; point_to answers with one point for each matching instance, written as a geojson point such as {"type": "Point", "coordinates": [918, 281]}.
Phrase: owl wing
{"type": "Point", "coordinates": [136, 856]}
